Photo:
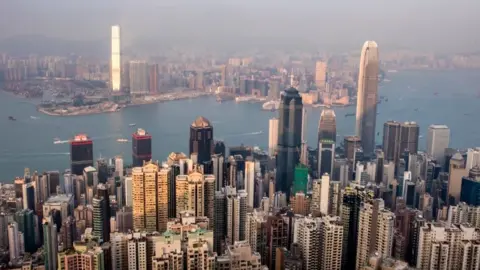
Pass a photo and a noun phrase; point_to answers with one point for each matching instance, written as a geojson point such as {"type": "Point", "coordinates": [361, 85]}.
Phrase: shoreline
{"type": "Point", "coordinates": [120, 107]}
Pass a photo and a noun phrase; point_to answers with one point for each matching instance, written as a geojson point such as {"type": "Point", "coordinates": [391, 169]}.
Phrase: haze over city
{"type": "Point", "coordinates": [428, 25]}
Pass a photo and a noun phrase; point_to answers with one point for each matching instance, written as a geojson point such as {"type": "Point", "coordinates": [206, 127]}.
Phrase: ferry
{"type": "Point", "coordinates": [59, 141]}
{"type": "Point", "coordinates": [11, 118]}
{"type": "Point", "coordinates": [271, 105]}
{"type": "Point", "coordinates": [349, 114]}
{"type": "Point", "coordinates": [122, 140]}
{"type": "Point", "coordinates": [132, 125]}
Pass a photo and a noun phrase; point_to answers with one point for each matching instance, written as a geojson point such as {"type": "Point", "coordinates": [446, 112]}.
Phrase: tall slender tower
{"type": "Point", "coordinates": [289, 139]}
{"type": "Point", "coordinates": [367, 96]}
{"type": "Point", "coordinates": [115, 64]}
{"type": "Point", "coordinates": [327, 135]}
{"type": "Point", "coordinates": [272, 136]}
{"type": "Point", "coordinates": [201, 139]}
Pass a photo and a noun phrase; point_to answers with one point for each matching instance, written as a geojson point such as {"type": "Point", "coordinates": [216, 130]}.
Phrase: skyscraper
{"type": "Point", "coordinates": [289, 139]}
{"type": "Point", "coordinates": [272, 136]}
{"type": "Point", "coordinates": [141, 147]}
{"type": "Point", "coordinates": [327, 135]}
{"type": "Point", "coordinates": [115, 62]}
{"type": "Point", "coordinates": [437, 141]}
{"type": "Point", "coordinates": [138, 77]}
{"type": "Point", "coordinates": [367, 96]}
{"type": "Point", "coordinates": [398, 138]}
{"type": "Point", "coordinates": [320, 74]}
{"type": "Point", "coordinates": [81, 153]}
{"type": "Point", "coordinates": [50, 244]}
{"type": "Point", "coordinates": [201, 139]}
{"type": "Point", "coordinates": [153, 78]}
{"type": "Point", "coordinates": [375, 231]}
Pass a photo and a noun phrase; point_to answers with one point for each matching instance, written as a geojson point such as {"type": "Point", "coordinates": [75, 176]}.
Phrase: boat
{"type": "Point", "coordinates": [271, 105]}
{"type": "Point", "coordinates": [11, 118]}
{"type": "Point", "coordinates": [59, 141]}
{"type": "Point", "coordinates": [349, 114]}
{"type": "Point", "coordinates": [122, 140]}
{"type": "Point", "coordinates": [392, 71]}
{"type": "Point", "coordinates": [132, 125]}
{"type": "Point", "coordinates": [33, 117]}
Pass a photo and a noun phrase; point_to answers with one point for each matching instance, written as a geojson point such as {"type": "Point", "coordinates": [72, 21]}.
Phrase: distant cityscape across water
{"type": "Point", "coordinates": [426, 97]}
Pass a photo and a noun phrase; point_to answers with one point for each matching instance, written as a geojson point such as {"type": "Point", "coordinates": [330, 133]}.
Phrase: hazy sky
{"type": "Point", "coordinates": [433, 25]}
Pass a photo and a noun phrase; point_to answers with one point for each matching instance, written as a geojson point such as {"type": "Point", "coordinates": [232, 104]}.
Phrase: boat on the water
{"type": "Point", "coordinates": [59, 141]}
{"type": "Point", "coordinates": [132, 124]}
{"type": "Point", "coordinates": [122, 140]}
{"type": "Point", "coordinates": [271, 105]}
{"type": "Point", "coordinates": [11, 118]}
{"type": "Point", "coordinates": [349, 114]}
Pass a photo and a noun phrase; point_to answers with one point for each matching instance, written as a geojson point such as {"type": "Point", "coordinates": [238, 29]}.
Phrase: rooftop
{"type": "Point", "coordinates": [201, 122]}
{"type": "Point", "coordinates": [62, 198]}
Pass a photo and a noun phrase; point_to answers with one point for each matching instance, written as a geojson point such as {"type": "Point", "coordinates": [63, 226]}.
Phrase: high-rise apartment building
{"type": "Point", "coordinates": [330, 243]}
{"type": "Point", "coordinates": [240, 256]}
{"type": "Point", "coordinates": [308, 238]}
{"type": "Point", "coordinates": [250, 181]}
{"type": "Point", "coordinates": [115, 62]}
{"type": "Point", "coordinates": [219, 222]}
{"type": "Point", "coordinates": [153, 78]}
{"type": "Point", "coordinates": [367, 96]}
{"type": "Point", "coordinates": [138, 72]}
{"type": "Point", "coordinates": [137, 252]}
{"type": "Point", "coordinates": [50, 244]}
{"type": "Point", "coordinates": [201, 139]}
{"type": "Point", "coordinates": [277, 237]}
{"type": "Point", "coordinates": [81, 153]}
{"type": "Point", "coordinates": [320, 74]}
{"type": "Point", "coordinates": [443, 246]}
{"type": "Point", "coordinates": [289, 139]}
{"type": "Point", "coordinates": [119, 250]}
{"type": "Point", "coordinates": [375, 231]}
{"type": "Point", "coordinates": [272, 136]}
{"type": "Point", "coordinates": [141, 147]}
{"type": "Point", "coordinates": [473, 158]}
{"type": "Point", "coordinates": [149, 196]}
{"type": "Point", "coordinates": [327, 136]}
{"type": "Point", "coordinates": [437, 141]}
{"type": "Point", "coordinates": [324, 194]}
{"type": "Point", "coordinates": [353, 198]}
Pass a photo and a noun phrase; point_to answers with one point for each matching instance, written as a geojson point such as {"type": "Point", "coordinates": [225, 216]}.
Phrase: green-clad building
{"type": "Point", "coordinates": [300, 179]}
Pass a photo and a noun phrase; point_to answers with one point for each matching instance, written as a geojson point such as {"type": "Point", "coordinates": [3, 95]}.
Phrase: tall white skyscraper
{"type": "Point", "coordinates": [250, 181]}
{"type": "Point", "coordinates": [437, 141]}
{"type": "Point", "coordinates": [272, 136]}
{"type": "Point", "coordinates": [473, 157]}
{"type": "Point", "coordinates": [367, 96]}
{"type": "Point", "coordinates": [324, 194]}
{"type": "Point", "coordinates": [115, 62]}
{"type": "Point", "coordinates": [13, 241]}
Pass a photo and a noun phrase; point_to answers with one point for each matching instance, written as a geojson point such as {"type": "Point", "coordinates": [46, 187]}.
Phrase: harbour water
{"type": "Point", "coordinates": [426, 97]}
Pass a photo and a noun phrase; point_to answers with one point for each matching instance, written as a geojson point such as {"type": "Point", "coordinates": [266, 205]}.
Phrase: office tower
{"type": "Point", "coordinates": [375, 231]}
{"type": "Point", "coordinates": [101, 214]}
{"type": "Point", "coordinates": [223, 74]}
{"type": "Point", "coordinates": [272, 136]}
{"type": "Point", "coordinates": [50, 245]}
{"type": "Point", "coordinates": [443, 246]}
{"type": "Point", "coordinates": [119, 251]}
{"type": "Point", "coordinates": [300, 180]}
{"type": "Point", "coordinates": [335, 198]}
{"type": "Point", "coordinates": [138, 72]}
{"type": "Point", "coordinates": [141, 147]}
{"type": "Point", "coordinates": [29, 196]}
{"type": "Point", "coordinates": [137, 252]}
{"type": "Point", "coordinates": [201, 139]}
{"type": "Point", "coordinates": [144, 195]}
{"type": "Point", "coordinates": [68, 234]}
{"type": "Point", "coordinates": [209, 199]}
{"type": "Point", "coordinates": [62, 203]}
{"type": "Point", "coordinates": [308, 239]}
{"type": "Point", "coordinates": [331, 241]}
{"type": "Point", "coordinates": [391, 141]}
{"type": "Point", "coordinates": [153, 78]}
{"type": "Point", "coordinates": [320, 74]}
{"type": "Point", "coordinates": [172, 192]}
{"type": "Point", "coordinates": [304, 145]}
{"type": "Point", "coordinates": [353, 198]}
{"type": "Point", "coordinates": [81, 153]}
{"type": "Point", "coordinates": [13, 241]}
{"type": "Point", "coordinates": [115, 62]}
{"type": "Point", "coordinates": [470, 190]}
{"type": "Point", "coordinates": [409, 134]}
{"type": "Point", "coordinates": [277, 237]}
{"type": "Point", "coordinates": [219, 222]}
{"type": "Point", "coordinates": [457, 172]}
{"type": "Point", "coordinates": [274, 89]}
{"type": "Point", "coordinates": [327, 136]}
{"type": "Point", "coordinates": [289, 139]}
{"type": "Point", "coordinates": [219, 148]}
{"type": "Point", "coordinates": [352, 144]}
{"type": "Point", "coordinates": [367, 96]}
{"type": "Point", "coordinates": [218, 165]}
{"type": "Point", "coordinates": [473, 157]}
{"type": "Point", "coordinates": [437, 141]}
{"type": "Point", "coordinates": [239, 256]}
{"type": "Point", "coordinates": [25, 223]}
{"type": "Point", "coordinates": [250, 181]}
{"type": "Point", "coordinates": [124, 219]}
{"type": "Point", "coordinates": [324, 194]}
